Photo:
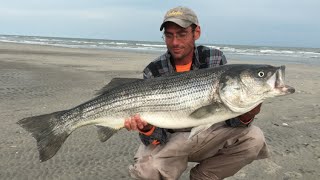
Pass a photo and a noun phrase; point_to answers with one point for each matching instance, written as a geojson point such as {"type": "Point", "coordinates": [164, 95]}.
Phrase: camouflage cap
{"type": "Point", "coordinates": [182, 16]}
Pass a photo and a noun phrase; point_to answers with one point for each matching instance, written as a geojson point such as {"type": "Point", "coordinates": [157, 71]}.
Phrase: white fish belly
{"type": "Point", "coordinates": [183, 120]}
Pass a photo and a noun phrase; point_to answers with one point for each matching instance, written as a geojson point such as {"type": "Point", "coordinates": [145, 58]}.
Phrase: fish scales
{"type": "Point", "coordinates": [153, 96]}
{"type": "Point", "coordinates": [178, 94]}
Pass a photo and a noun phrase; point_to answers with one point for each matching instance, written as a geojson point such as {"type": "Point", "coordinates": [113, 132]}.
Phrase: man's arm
{"type": "Point", "coordinates": [148, 134]}
{"type": "Point", "coordinates": [244, 119]}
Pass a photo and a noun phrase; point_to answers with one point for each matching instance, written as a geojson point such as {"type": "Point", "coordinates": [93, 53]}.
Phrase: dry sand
{"type": "Point", "coordinates": [41, 79]}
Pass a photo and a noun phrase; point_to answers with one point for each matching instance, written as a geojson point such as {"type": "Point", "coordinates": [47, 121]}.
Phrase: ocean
{"type": "Point", "coordinates": [240, 52]}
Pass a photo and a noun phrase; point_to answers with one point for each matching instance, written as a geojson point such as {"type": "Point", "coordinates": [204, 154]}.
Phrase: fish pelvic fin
{"type": "Point", "coordinates": [198, 129]}
{"type": "Point", "coordinates": [44, 129]}
{"type": "Point", "coordinates": [104, 133]}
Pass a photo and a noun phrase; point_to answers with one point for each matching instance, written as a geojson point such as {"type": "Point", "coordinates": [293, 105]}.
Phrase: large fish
{"type": "Point", "coordinates": [192, 99]}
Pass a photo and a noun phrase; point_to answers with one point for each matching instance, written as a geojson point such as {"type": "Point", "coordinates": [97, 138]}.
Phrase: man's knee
{"type": "Point", "coordinates": [197, 174]}
{"type": "Point", "coordinates": [255, 143]}
{"type": "Point", "coordinates": [150, 168]}
{"type": "Point", "coordinates": [144, 169]}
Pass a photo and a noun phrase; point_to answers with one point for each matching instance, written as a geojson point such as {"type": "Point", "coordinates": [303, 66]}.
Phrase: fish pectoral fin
{"type": "Point", "coordinates": [115, 82]}
{"type": "Point", "coordinates": [198, 129]}
{"type": "Point", "coordinates": [204, 111]}
{"type": "Point", "coordinates": [104, 133]}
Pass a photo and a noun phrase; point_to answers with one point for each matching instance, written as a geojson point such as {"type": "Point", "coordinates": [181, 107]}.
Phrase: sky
{"type": "Point", "coordinates": [287, 23]}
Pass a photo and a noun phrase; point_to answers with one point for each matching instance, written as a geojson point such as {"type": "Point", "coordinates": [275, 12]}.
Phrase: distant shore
{"type": "Point", "coordinates": [37, 79]}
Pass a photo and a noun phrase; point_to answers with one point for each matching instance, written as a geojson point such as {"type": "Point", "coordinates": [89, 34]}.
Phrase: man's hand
{"type": "Point", "coordinates": [247, 117]}
{"type": "Point", "coordinates": [135, 123]}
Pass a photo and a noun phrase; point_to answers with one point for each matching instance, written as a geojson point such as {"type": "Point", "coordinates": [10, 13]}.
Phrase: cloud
{"type": "Point", "coordinates": [224, 21]}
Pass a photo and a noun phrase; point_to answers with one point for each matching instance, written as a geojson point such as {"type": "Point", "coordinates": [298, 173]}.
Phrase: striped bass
{"type": "Point", "coordinates": [195, 99]}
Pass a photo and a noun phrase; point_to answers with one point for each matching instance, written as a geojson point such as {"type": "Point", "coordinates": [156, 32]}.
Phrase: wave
{"type": "Point", "coordinates": [313, 53]}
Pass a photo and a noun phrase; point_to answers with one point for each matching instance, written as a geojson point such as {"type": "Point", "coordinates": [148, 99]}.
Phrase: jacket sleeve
{"type": "Point", "coordinates": [223, 60]}
{"type": "Point", "coordinates": [159, 135]}
{"type": "Point", "coordinates": [236, 122]}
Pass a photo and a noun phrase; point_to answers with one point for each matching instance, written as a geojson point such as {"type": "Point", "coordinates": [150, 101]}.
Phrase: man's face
{"type": "Point", "coordinates": [180, 41]}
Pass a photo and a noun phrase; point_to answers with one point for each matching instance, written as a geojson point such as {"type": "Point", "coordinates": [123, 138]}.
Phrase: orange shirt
{"type": "Point", "coordinates": [183, 68]}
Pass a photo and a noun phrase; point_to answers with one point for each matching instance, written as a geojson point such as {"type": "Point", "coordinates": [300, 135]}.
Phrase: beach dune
{"type": "Point", "coordinates": [38, 79]}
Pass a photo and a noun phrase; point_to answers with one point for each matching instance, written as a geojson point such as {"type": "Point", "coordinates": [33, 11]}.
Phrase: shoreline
{"type": "Point", "coordinates": [37, 79]}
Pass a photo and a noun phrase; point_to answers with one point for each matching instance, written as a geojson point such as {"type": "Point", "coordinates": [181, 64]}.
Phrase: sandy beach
{"type": "Point", "coordinates": [38, 79]}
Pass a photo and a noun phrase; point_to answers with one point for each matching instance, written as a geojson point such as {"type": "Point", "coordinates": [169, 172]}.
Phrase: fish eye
{"type": "Point", "coordinates": [261, 74]}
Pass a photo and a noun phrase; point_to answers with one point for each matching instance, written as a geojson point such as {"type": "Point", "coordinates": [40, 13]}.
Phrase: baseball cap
{"type": "Point", "coordinates": [182, 16]}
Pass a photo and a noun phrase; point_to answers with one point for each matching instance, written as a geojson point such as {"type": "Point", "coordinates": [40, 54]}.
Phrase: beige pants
{"type": "Point", "coordinates": [221, 151]}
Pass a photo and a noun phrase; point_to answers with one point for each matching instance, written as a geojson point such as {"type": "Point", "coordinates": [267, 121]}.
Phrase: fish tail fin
{"type": "Point", "coordinates": [104, 133]}
{"type": "Point", "coordinates": [44, 129]}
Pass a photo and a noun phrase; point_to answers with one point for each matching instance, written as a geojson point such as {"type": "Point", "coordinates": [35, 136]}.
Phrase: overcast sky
{"type": "Point", "coordinates": [247, 22]}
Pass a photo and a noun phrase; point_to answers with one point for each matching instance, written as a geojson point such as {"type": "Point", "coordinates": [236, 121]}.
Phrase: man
{"type": "Point", "coordinates": [220, 151]}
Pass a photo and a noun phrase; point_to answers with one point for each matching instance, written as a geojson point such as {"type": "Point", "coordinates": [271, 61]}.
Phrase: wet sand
{"type": "Point", "coordinates": [41, 79]}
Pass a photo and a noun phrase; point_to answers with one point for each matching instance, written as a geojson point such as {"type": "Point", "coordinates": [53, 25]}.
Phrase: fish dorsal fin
{"type": "Point", "coordinates": [104, 133]}
{"type": "Point", "coordinates": [115, 82]}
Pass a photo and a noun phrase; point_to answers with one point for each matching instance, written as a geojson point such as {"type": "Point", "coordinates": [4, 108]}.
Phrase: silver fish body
{"type": "Point", "coordinates": [193, 99]}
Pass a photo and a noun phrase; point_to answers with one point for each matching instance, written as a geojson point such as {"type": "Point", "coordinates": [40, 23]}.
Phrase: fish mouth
{"type": "Point", "coordinates": [279, 83]}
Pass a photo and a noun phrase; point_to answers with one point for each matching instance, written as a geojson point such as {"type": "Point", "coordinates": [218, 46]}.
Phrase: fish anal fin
{"type": "Point", "coordinates": [104, 133]}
